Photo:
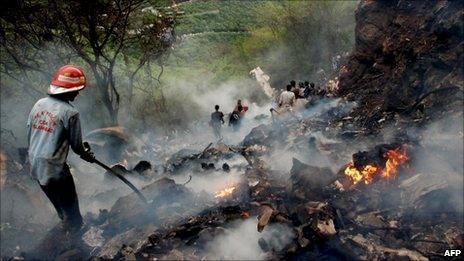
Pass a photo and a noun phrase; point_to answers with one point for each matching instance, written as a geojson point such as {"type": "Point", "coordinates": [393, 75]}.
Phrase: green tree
{"type": "Point", "coordinates": [37, 34]}
{"type": "Point", "coordinates": [305, 35]}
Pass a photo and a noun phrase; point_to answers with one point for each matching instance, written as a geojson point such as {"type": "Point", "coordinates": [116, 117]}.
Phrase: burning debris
{"type": "Point", "coordinates": [378, 206]}
{"type": "Point", "coordinates": [225, 192]}
{"type": "Point", "coordinates": [366, 168]}
{"type": "Point", "coordinates": [369, 209]}
{"type": "Point", "coordinates": [284, 191]}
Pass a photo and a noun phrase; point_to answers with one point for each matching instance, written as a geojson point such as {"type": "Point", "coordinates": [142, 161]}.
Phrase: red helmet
{"type": "Point", "coordinates": [68, 78]}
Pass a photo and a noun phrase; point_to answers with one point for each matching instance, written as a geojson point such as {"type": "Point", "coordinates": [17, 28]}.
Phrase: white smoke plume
{"type": "Point", "coordinates": [241, 241]}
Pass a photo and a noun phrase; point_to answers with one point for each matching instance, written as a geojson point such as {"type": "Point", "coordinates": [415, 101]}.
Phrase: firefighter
{"type": "Point", "coordinates": [217, 119]}
{"type": "Point", "coordinates": [53, 127]}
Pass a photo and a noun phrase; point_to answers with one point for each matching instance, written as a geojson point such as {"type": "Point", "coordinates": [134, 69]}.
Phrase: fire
{"type": "Point", "coordinates": [366, 174]}
{"type": "Point", "coordinates": [394, 158]}
{"type": "Point", "coordinates": [225, 192]}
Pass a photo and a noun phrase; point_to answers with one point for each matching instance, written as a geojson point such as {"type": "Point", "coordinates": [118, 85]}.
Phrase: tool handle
{"type": "Point", "coordinates": [121, 177]}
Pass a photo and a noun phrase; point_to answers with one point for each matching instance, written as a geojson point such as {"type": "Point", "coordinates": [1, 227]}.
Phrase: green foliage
{"type": "Point", "coordinates": [217, 41]}
{"type": "Point", "coordinates": [288, 39]}
{"type": "Point", "coordinates": [40, 36]}
{"type": "Point", "coordinates": [307, 35]}
{"type": "Point", "coordinates": [218, 16]}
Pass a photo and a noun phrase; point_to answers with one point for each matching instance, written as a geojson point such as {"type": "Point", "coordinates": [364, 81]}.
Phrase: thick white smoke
{"type": "Point", "coordinates": [241, 241]}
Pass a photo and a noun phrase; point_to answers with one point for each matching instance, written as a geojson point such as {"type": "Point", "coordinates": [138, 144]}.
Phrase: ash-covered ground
{"type": "Point", "coordinates": [285, 191]}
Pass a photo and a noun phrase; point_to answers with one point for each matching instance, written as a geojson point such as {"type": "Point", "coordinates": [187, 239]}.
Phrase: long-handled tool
{"type": "Point", "coordinates": [119, 175]}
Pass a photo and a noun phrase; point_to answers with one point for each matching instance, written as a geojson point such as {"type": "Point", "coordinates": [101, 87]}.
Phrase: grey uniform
{"type": "Point", "coordinates": [53, 126]}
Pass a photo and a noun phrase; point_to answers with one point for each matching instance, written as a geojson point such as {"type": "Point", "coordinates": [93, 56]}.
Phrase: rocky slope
{"type": "Point", "coordinates": [407, 59]}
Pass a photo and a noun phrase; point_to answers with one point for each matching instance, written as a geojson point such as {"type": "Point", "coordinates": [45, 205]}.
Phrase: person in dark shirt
{"type": "Point", "coordinates": [235, 117]}
{"type": "Point", "coordinates": [309, 89]}
{"type": "Point", "coordinates": [239, 103]}
{"type": "Point", "coordinates": [243, 108]}
{"type": "Point", "coordinates": [217, 119]}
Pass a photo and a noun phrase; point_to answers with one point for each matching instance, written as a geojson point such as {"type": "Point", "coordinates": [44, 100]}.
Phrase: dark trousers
{"type": "Point", "coordinates": [62, 194]}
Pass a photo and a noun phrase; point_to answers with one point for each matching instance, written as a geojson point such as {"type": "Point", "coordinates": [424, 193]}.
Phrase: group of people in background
{"type": "Point", "coordinates": [303, 90]}
{"type": "Point", "coordinates": [287, 99]}
{"type": "Point", "coordinates": [235, 118]}
{"type": "Point", "coordinates": [293, 91]}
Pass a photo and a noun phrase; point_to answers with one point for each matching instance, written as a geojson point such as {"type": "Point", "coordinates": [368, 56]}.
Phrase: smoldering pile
{"type": "Point", "coordinates": [294, 188]}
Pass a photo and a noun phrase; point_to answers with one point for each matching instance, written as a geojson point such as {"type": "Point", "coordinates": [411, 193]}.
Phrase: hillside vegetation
{"type": "Point", "coordinates": [290, 39]}
{"type": "Point", "coordinates": [216, 43]}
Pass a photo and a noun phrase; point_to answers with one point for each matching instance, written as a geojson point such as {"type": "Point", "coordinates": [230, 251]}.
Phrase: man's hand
{"type": "Point", "coordinates": [88, 156]}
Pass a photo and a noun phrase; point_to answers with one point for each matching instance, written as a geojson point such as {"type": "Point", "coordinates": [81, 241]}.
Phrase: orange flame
{"type": "Point", "coordinates": [366, 174]}
{"type": "Point", "coordinates": [225, 192]}
{"type": "Point", "coordinates": [394, 158]}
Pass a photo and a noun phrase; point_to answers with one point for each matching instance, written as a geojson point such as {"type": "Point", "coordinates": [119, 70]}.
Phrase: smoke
{"type": "Point", "coordinates": [305, 35]}
{"type": "Point", "coordinates": [189, 105]}
{"type": "Point", "coordinates": [192, 113]}
{"type": "Point", "coordinates": [241, 241]}
{"type": "Point", "coordinates": [214, 182]}
{"type": "Point", "coordinates": [307, 145]}
{"type": "Point", "coordinates": [440, 159]}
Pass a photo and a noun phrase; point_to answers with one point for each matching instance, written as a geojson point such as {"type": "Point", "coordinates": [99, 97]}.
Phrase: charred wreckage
{"type": "Point", "coordinates": [375, 179]}
{"type": "Point", "coordinates": [377, 204]}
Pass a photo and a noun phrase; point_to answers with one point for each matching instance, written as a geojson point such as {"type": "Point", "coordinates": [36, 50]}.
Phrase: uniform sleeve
{"type": "Point", "coordinates": [75, 134]}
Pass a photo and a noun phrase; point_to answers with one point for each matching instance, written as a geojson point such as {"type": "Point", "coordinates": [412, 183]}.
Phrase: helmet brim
{"type": "Point", "coordinates": [58, 90]}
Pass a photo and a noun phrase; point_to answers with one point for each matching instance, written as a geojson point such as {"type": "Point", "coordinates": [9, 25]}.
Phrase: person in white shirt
{"type": "Point", "coordinates": [287, 98]}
